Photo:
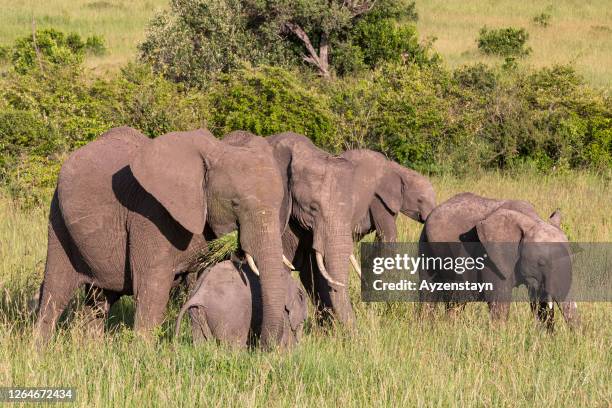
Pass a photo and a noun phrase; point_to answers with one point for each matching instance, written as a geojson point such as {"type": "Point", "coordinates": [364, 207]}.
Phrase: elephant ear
{"type": "Point", "coordinates": [555, 218]}
{"type": "Point", "coordinates": [501, 233]}
{"type": "Point", "coordinates": [390, 190]}
{"type": "Point", "coordinates": [171, 169]}
{"type": "Point", "coordinates": [297, 309]}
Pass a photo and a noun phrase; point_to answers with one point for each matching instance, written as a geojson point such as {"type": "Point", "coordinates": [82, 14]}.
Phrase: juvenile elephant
{"type": "Point", "coordinates": [128, 213]}
{"type": "Point", "coordinates": [226, 305]}
{"type": "Point", "coordinates": [382, 190]}
{"type": "Point", "coordinates": [319, 204]}
{"type": "Point", "coordinates": [517, 245]}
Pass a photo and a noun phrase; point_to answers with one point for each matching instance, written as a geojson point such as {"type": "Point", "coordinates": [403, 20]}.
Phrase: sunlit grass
{"type": "Point", "coordinates": [393, 359]}
{"type": "Point", "coordinates": [579, 32]}
{"type": "Point", "coordinates": [121, 23]}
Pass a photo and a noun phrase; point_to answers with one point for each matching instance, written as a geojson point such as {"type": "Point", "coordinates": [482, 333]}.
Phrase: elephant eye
{"type": "Point", "coordinates": [314, 207]}
{"type": "Point", "coordinates": [234, 202]}
{"type": "Point", "coordinates": [541, 262]}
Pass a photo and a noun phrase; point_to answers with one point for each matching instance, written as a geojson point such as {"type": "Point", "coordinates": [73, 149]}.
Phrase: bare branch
{"type": "Point", "coordinates": [320, 60]}
{"type": "Point", "coordinates": [36, 49]}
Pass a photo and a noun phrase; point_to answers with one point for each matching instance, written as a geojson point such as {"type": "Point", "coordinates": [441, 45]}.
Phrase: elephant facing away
{"type": "Point", "coordinates": [319, 203]}
{"type": "Point", "coordinates": [382, 190]}
{"type": "Point", "coordinates": [226, 305]}
{"type": "Point", "coordinates": [128, 213]}
{"type": "Point", "coordinates": [519, 248]}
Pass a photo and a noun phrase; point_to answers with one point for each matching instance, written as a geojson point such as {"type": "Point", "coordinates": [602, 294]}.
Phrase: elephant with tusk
{"type": "Point", "coordinates": [519, 247]}
{"type": "Point", "coordinates": [128, 211]}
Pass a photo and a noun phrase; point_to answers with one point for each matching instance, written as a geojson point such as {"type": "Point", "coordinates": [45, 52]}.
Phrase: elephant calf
{"type": "Point", "coordinates": [518, 246]}
{"type": "Point", "coordinates": [226, 305]}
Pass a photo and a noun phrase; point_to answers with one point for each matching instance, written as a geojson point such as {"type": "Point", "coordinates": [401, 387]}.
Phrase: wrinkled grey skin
{"type": "Point", "coordinates": [383, 189]}
{"type": "Point", "coordinates": [129, 212]}
{"type": "Point", "coordinates": [226, 305]}
{"type": "Point", "coordinates": [319, 202]}
{"type": "Point", "coordinates": [467, 217]}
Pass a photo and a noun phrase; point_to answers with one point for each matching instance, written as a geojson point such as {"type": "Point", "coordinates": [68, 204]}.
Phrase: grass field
{"type": "Point", "coordinates": [394, 359]}
{"type": "Point", "coordinates": [580, 32]}
{"type": "Point", "coordinates": [121, 23]}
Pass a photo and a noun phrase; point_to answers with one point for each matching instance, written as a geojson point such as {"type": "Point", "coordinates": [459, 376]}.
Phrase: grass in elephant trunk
{"type": "Point", "coordinates": [394, 358]}
{"type": "Point", "coordinates": [217, 250]}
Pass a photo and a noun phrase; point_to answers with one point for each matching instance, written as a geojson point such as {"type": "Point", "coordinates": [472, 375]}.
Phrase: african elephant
{"type": "Point", "coordinates": [517, 246]}
{"type": "Point", "coordinates": [382, 190]}
{"type": "Point", "coordinates": [226, 305]}
{"type": "Point", "coordinates": [318, 200]}
{"type": "Point", "coordinates": [129, 212]}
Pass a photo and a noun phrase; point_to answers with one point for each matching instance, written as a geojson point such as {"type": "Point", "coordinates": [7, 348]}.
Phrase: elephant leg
{"type": "Point", "coordinates": [97, 305]}
{"type": "Point", "coordinates": [384, 222]}
{"type": "Point", "coordinates": [61, 278]}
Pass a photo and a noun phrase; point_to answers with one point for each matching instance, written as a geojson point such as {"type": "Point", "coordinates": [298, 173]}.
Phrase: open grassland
{"type": "Point", "coordinates": [121, 23]}
{"type": "Point", "coordinates": [394, 358]}
{"type": "Point", "coordinates": [580, 32]}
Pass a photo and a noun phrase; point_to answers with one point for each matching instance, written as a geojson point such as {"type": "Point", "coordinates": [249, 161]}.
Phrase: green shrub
{"type": "Point", "coordinates": [31, 179]}
{"type": "Point", "coordinates": [139, 98]}
{"type": "Point", "coordinates": [269, 100]}
{"type": "Point", "coordinates": [542, 19]}
{"type": "Point", "coordinates": [508, 41]}
{"type": "Point", "coordinates": [478, 77]}
{"type": "Point", "coordinates": [95, 45]}
{"type": "Point", "coordinates": [51, 47]}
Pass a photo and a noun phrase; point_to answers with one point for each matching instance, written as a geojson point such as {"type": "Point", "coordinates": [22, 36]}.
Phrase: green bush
{"type": "Point", "coordinates": [140, 98]}
{"type": "Point", "coordinates": [51, 47]}
{"type": "Point", "coordinates": [508, 41]}
{"type": "Point", "coordinates": [268, 100]}
{"type": "Point", "coordinates": [95, 45]}
{"type": "Point", "coordinates": [542, 19]}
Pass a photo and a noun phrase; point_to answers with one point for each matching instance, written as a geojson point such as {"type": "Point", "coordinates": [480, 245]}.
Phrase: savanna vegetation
{"type": "Point", "coordinates": [533, 124]}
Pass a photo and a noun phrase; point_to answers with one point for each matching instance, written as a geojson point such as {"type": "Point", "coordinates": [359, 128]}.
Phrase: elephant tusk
{"type": "Point", "coordinates": [323, 271]}
{"type": "Point", "coordinates": [252, 265]}
{"type": "Point", "coordinates": [550, 305]}
{"type": "Point", "coordinates": [355, 264]}
{"type": "Point", "coordinates": [288, 263]}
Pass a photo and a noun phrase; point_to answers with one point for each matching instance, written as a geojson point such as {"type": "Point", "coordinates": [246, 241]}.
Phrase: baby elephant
{"type": "Point", "coordinates": [226, 305]}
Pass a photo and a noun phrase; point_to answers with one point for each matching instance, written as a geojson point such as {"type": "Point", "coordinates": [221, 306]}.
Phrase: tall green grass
{"type": "Point", "coordinates": [393, 359]}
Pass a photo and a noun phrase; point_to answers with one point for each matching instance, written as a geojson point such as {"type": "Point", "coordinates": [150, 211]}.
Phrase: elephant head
{"type": "Point", "coordinates": [322, 206]}
{"type": "Point", "coordinates": [536, 250]}
{"type": "Point", "coordinates": [406, 191]}
{"type": "Point", "coordinates": [203, 182]}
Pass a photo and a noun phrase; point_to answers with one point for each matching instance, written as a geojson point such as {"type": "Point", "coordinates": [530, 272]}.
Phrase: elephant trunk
{"type": "Point", "coordinates": [260, 238]}
{"type": "Point", "coordinates": [336, 257]}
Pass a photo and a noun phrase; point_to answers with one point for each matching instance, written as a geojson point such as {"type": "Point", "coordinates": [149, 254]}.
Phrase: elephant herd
{"type": "Point", "coordinates": [130, 212]}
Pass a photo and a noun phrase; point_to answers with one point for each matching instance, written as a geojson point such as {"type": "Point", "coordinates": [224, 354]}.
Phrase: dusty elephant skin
{"type": "Point", "coordinates": [318, 238]}
{"type": "Point", "coordinates": [128, 211]}
{"type": "Point", "coordinates": [520, 246]}
{"type": "Point", "coordinates": [382, 190]}
{"type": "Point", "coordinates": [226, 305]}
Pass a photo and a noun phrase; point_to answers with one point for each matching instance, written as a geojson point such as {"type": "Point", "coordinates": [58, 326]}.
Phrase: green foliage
{"type": "Point", "coordinates": [146, 101]}
{"type": "Point", "coordinates": [508, 41]}
{"type": "Point", "coordinates": [269, 100]}
{"type": "Point", "coordinates": [197, 39]}
{"type": "Point", "coordinates": [542, 19]}
{"type": "Point", "coordinates": [478, 77]}
{"type": "Point", "coordinates": [95, 45]}
{"type": "Point", "coordinates": [49, 46]}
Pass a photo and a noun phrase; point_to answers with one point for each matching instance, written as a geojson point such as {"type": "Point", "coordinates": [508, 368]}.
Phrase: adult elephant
{"type": "Point", "coordinates": [319, 206]}
{"type": "Point", "coordinates": [129, 211]}
{"type": "Point", "coordinates": [382, 190]}
{"type": "Point", "coordinates": [518, 247]}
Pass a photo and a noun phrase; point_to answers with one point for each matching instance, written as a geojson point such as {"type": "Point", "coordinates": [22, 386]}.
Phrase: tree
{"type": "Point", "coordinates": [196, 39]}
{"type": "Point", "coordinates": [319, 25]}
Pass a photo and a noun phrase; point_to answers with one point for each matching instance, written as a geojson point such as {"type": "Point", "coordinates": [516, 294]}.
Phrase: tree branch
{"type": "Point", "coordinates": [320, 60]}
